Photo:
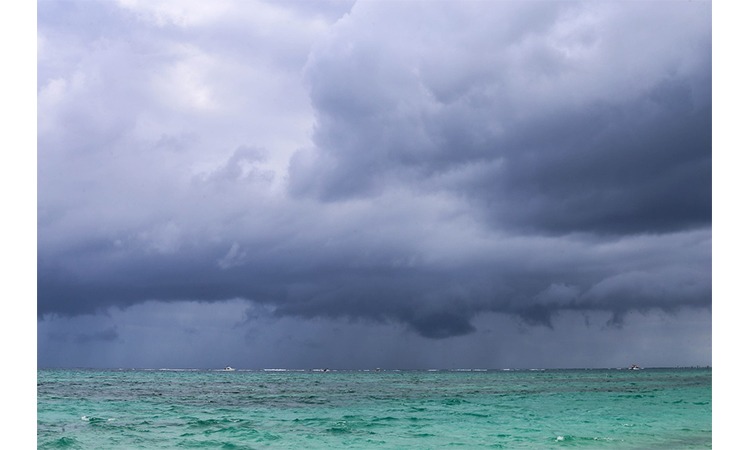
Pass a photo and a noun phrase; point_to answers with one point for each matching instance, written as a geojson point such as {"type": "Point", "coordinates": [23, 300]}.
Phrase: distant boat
{"type": "Point", "coordinates": [634, 367]}
{"type": "Point", "coordinates": [228, 369]}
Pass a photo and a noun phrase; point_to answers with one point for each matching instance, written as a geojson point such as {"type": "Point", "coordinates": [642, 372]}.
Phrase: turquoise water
{"type": "Point", "coordinates": [155, 409]}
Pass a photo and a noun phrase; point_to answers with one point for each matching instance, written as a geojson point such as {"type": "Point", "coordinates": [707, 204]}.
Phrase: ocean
{"type": "Point", "coordinates": [389, 409]}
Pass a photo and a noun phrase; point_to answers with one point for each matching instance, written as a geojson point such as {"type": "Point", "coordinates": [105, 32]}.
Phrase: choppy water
{"type": "Point", "coordinates": [155, 409]}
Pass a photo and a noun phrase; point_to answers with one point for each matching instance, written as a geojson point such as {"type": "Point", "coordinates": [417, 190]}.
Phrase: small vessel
{"type": "Point", "coordinates": [634, 367]}
{"type": "Point", "coordinates": [228, 369]}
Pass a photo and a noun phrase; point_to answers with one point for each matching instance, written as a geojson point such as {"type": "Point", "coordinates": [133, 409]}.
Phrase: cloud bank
{"type": "Point", "coordinates": [411, 163]}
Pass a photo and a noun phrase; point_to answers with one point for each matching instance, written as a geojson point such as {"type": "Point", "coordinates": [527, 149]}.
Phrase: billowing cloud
{"type": "Point", "coordinates": [388, 164]}
{"type": "Point", "coordinates": [592, 117]}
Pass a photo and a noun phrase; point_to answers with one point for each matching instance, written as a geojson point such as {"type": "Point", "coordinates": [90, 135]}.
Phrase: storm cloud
{"type": "Point", "coordinates": [417, 164]}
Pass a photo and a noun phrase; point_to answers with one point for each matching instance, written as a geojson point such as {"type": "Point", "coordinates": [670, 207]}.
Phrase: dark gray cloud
{"type": "Point", "coordinates": [612, 142]}
{"type": "Point", "coordinates": [422, 287]}
{"type": "Point", "coordinates": [389, 165]}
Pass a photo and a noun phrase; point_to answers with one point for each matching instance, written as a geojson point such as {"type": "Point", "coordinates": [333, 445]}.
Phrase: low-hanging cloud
{"type": "Point", "coordinates": [390, 162]}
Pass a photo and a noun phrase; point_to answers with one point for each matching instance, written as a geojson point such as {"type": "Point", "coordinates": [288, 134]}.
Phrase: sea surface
{"type": "Point", "coordinates": [471, 409]}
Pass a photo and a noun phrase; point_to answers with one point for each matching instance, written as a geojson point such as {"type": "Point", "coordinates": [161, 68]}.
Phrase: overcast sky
{"type": "Point", "coordinates": [374, 184]}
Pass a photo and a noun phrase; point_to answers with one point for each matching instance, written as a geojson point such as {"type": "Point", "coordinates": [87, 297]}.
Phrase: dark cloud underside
{"type": "Point", "coordinates": [389, 162]}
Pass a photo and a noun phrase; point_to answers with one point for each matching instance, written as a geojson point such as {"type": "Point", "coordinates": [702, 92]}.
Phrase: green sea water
{"type": "Point", "coordinates": [542, 409]}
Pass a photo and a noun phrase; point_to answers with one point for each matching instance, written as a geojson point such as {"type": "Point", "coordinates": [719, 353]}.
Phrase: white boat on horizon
{"type": "Point", "coordinates": [229, 369]}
